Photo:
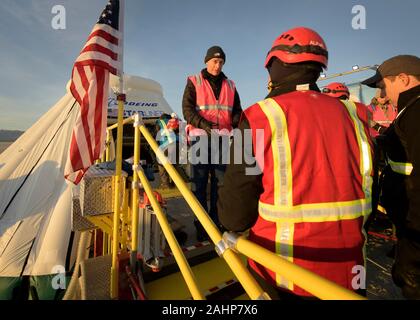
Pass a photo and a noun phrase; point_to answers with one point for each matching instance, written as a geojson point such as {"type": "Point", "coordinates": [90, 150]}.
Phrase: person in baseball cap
{"type": "Point", "coordinates": [399, 81]}
{"type": "Point", "coordinates": [395, 75]}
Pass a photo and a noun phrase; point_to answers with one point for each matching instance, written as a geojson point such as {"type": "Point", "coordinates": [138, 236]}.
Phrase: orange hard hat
{"type": "Point", "coordinates": [299, 45]}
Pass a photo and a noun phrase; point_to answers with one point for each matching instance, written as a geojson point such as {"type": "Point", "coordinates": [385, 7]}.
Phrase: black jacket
{"type": "Point", "coordinates": [189, 99]}
{"type": "Point", "coordinates": [401, 193]}
{"type": "Point", "coordinates": [402, 144]}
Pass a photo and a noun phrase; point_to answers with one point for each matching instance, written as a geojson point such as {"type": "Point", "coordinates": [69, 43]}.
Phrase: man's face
{"type": "Point", "coordinates": [214, 66]}
{"type": "Point", "coordinates": [391, 89]}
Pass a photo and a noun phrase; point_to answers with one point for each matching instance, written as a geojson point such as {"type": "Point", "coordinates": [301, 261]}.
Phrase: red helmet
{"type": "Point", "coordinates": [299, 45]}
{"type": "Point", "coordinates": [336, 90]}
{"type": "Point", "coordinates": [173, 124]}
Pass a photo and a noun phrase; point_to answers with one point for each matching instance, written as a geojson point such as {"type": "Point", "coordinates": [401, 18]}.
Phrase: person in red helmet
{"type": "Point", "coordinates": [301, 198]}
{"type": "Point", "coordinates": [337, 90]}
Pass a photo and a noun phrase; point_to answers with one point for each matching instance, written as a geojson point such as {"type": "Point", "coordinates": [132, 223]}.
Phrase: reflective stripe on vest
{"type": "Point", "coordinates": [284, 247]}
{"type": "Point", "coordinates": [404, 168]}
{"type": "Point", "coordinates": [198, 79]}
{"type": "Point", "coordinates": [316, 212]}
{"type": "Point", "coordinates": [364, 147]}
{"type": "Point", "coordinates": [214, 107]}
{"type": "Point", "coordinates": [282, 182]}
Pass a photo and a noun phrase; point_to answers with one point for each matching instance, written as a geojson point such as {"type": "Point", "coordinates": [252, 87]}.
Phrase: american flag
{"type": "Point", "coordinates": [101, 55]}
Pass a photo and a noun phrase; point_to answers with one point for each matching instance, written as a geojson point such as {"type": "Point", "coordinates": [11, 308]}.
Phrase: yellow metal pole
{"type": "Point", "coordinates": [117, 209]}
{"type": "Point", "coordinates": [109, 245]}
{"type": "Point", "coordinates": [108, 144]}
{"type": "Point", "coordinates": [250, 285]}
{"type": "Point", "coordinates": [170, 237]}
{"type": "Point", "coordinates": [135, 196]}
{"type": "Point", "coordinates": [104, 243]}
{"type": "Point", "coordinates": [124, 222]}
{"type": "Point", "coordinates": [374, 67]}
{"type": "Point", "coordinates": [311, 282]}
{"type": "Point", "coordinates": [125, 121]}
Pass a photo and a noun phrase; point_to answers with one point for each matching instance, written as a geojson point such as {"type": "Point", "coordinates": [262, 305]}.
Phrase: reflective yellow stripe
{"type": "Point", "coordinates": [214, 107]}
{"type": "Point", "coordinates": [365, 162]}
{"type": "Point", "coordinates": [198, 79]}
{"type": "Point", "coordinates": [230, 84]}
{"type": "Point", "coordinates": [315, 212]}
{"type": "Point", "coordinates": [284, 248]}
{"type": "Point", "coordinates": [401, 167]}
{"type": "Point", "coordinates": [280, 146]}
{"type": "Point", "coordinates": [364, 147]}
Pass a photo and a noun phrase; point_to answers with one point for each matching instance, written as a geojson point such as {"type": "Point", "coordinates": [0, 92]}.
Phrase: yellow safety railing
{"type": "Point", "coordinates": [227, 246]}
{"type": "Point", "coordinates": [135, 198]}
{"type": "Point", "coordinates": [117, 207]}
{"type": "Point", "coordinates": [170, 237]}
{"type": "Point", "coordinates": [250, 285]}
{"type": "Point", "coordinates": [307, 280]}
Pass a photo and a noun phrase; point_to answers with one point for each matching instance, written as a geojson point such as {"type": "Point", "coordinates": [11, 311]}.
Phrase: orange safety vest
{"type": "Point", "coordinates": [317, 174]}
{"type": "Point", "coordinates": [217, 111]}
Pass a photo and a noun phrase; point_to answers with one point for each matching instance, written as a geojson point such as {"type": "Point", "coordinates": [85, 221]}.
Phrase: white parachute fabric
{"type": "Point", "coordinates": [35, 199]}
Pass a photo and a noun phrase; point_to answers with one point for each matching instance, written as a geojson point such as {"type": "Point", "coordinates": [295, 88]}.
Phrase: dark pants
{"type": "Point", "coordinates": [199, 177]}
{"type": "Point", "coordinates": [212, 164]}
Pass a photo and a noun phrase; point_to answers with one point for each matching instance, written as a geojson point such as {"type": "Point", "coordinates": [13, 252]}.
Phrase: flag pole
{"type": "Point", "coordinates": [118, 164]}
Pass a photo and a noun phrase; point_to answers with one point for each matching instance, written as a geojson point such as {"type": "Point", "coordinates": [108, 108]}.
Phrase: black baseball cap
{"type": "Point", "coordinates": [393, 67]}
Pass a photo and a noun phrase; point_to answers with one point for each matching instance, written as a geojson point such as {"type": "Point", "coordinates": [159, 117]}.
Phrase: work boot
{"type": "Point", "coordinates": [201, 233]}
{"type": "Point", "coordinates": [181, 237]}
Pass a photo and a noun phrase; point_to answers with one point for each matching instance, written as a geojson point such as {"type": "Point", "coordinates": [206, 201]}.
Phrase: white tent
{"type": "Point", "coordinates": [35, 199]}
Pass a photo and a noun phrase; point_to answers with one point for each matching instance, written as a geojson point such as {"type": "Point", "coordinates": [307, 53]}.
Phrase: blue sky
{"type": "Point", "coordinates": [166, 40]}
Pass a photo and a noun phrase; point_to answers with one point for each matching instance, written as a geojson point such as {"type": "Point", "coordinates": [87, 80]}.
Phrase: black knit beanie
{"type": "Point", "coordinates": [215, 52]}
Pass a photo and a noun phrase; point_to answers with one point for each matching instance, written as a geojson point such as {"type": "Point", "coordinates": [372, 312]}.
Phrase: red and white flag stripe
{"type": "Point", "coordinates": [101, 55]}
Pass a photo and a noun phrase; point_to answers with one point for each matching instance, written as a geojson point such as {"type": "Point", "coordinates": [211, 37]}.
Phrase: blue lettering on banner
{"type": "Point", "coordinates": [113, 102]}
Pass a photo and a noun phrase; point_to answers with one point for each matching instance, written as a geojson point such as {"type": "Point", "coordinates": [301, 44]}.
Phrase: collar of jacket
{"type": "Point", "coordinates": [406, 96]}
{"type": "Point", "coordinates": [211, 77]}
{"type": "Point", "coordinates": [290, 87]}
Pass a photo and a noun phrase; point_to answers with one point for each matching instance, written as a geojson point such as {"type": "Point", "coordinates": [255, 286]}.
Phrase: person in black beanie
{"type": "Point", "coordinates": [210, 105]}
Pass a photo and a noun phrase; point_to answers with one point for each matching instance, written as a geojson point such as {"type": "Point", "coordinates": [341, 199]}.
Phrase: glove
{"type": "Point", "coordinates": [206, 125]}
